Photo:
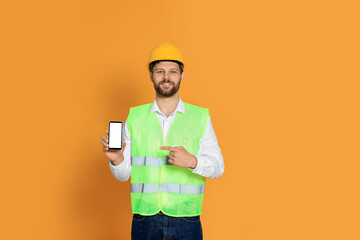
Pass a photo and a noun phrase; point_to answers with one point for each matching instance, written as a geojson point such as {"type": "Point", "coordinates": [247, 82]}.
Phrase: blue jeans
{"type": "Point", "coordinates": [162, 227]}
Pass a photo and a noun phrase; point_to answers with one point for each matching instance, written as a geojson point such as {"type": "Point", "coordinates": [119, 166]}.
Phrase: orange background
{"type": "Point", "coordinates": [281, 80]}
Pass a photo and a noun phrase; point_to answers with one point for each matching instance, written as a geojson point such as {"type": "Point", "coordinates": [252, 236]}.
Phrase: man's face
{"type": "Point", "coordinates": [166, 78]}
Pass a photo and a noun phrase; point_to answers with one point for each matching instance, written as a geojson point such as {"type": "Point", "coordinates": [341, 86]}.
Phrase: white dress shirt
{"type": "Point", "coordinates": [210, 162]}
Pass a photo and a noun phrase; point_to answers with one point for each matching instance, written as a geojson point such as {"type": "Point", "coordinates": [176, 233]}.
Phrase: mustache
{"type": "Point", "coordinates": [166, 81]}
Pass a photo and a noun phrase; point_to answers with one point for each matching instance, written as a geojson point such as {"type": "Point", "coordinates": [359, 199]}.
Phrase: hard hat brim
{"type": "Point", "coordinates": [165, 60]}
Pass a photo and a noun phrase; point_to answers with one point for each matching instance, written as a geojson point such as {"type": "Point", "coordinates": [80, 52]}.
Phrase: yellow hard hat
{"type": "Point", "coordinates": [166, 51]}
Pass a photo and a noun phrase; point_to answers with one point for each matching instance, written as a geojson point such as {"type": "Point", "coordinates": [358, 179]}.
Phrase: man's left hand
{"type": "Point", "coordinates": [180, 157]}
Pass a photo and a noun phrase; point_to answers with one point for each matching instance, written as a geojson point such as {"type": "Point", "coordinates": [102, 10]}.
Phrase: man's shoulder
{"type": "Point", "coordinates": [196, 108]}
{"type": "Point", "coordinates": [138, 112]}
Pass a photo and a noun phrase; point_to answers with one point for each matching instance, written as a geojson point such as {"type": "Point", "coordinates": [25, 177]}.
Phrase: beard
{"type": "Point", "coordinates": [166, 93]}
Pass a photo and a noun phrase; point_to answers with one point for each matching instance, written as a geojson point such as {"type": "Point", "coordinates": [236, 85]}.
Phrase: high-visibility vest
{"type": "Point", "coordinates": [157, 185]}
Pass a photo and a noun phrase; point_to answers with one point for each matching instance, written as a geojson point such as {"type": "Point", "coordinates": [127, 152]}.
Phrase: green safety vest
{"type": "Point", "coordinates": [157, 185]}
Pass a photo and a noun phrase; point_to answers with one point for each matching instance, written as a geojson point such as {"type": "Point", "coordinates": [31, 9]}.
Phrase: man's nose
{"type": "Point", "coordinates": [166, 76]}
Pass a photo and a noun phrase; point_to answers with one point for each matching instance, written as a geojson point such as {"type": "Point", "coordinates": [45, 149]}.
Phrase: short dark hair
{"type": "Point", "coordinates": [152, 64]}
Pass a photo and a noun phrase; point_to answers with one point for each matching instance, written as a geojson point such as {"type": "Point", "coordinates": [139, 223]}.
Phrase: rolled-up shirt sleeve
{"type": "Point", "coordinates": [123, 171]}
{"type": "Point", "coordinates": [210, 162]}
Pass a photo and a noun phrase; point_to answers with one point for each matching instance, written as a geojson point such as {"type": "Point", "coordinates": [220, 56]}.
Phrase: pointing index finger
{"type": "Point", "coordinates": [166, 148]}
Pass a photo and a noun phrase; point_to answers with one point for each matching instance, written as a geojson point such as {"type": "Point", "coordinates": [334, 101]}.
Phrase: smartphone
{"type": "Point", "coordinates": [115, 135]}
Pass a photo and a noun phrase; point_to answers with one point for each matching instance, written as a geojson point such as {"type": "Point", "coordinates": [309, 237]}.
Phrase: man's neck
{"type": "Point", "coordinates": [167, 105]}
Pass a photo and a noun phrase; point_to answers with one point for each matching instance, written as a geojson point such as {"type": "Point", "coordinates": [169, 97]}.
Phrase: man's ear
{"type": "Point", "coordinates": [150, 76]}
{"type": "Point", "coordinates": [182, 76]}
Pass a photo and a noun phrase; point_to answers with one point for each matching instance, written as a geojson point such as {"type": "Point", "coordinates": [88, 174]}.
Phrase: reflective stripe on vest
{"type": "Point", "coordinates": [150, 161]}
{"type": "Point", "coordinates": [167, 187]}
{"type": "Point", "coordinates": [144, 188]}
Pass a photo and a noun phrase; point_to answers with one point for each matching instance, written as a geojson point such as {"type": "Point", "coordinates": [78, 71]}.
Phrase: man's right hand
{"type": "Point", "coordinates": [116, 156]}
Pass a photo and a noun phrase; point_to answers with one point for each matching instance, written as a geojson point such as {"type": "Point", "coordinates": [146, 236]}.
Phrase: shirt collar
{"type": "Point", "coordinates": [179, 108]}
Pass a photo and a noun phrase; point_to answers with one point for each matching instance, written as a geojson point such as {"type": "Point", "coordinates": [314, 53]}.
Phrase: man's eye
{"type": "Point", "coordinates": [159, 71]}
{"type": "Point", "coordinates": [173, 72]}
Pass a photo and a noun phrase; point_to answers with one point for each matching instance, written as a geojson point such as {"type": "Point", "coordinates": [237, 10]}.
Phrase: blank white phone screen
{"type": "Point", "coordinates": [115, 135]}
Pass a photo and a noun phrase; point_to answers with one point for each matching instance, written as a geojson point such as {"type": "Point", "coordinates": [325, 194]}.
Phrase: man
{"type": "Point", "coordinates": [170, 148]}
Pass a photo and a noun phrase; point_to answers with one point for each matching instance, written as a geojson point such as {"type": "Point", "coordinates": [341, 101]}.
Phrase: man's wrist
{"type": "Point", "coordinates": [117, 162]}
{"type": "Point", "coordinates": [194, 162]}
{"type": "Point", "coordinates": [114, 163]}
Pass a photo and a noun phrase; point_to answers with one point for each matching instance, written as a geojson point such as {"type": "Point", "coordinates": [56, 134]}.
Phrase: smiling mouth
{"type": "Point", "coordinates": [166, 84]}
